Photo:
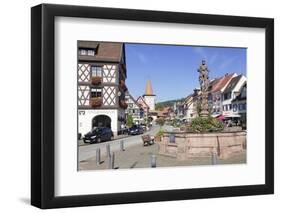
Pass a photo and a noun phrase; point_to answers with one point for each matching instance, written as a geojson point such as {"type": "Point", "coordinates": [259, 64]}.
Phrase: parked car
{"type": "Point", "coordinates": [98, 135]}
{"type": "Point", "coordinates": [135, 130]}
{"type": "Point", "coordinates": [144, 126]}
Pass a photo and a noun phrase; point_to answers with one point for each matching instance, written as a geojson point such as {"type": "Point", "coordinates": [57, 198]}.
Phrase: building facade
{"type": "Point", "coordinates": [145, 108]}
{"type": "Point", "coordinates": [134, 109]}
{"type": "Point", "coordinates": [190, 105]}
{"type": "Point", "coordinates": [239, 104]}
{"type": "Point", "coordinates": [101, 85]}
{"type": "Point", "coordinates": [230, 93]}
{"type": "Point", "coordinates": [216, 90]}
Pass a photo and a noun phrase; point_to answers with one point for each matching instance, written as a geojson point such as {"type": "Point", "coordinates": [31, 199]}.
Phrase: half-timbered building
{"type": "Point", "coordinates": [144, 106]}
{"type": "Point", "coordinates": [134, 109]}
{"type": "Point", "coordinates": [101, 85]}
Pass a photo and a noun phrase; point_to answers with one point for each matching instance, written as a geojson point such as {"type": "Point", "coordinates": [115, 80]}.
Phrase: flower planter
{"type": "Point", "coordinates": [96, 80]}
{"type": "Point", "coordinates": [123, 104]}
{"type": "Point", "coordinates": [96, 102]}
{"type": "Point", "coordinates": [123, 86]}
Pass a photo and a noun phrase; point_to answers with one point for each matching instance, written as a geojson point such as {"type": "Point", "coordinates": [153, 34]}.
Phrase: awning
{"type": "Point", "coordinates": [232, 116]}
{"type": "Point", "coordinates": [218, 116]}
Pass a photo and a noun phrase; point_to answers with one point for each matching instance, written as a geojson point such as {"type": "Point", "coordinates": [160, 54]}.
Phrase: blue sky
{"type": "Point", "coordinates": [173, 69]}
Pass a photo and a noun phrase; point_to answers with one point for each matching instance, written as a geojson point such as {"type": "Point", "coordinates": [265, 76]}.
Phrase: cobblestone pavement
{"type": "Point", "coordinates": [139, 156]}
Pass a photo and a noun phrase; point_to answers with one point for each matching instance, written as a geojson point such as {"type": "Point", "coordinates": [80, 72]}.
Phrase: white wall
{"type": "Point", "coordinates": [15, 152]}
{"type": "Point", "coordinates": [86, 116]}
{"type": "Point", "coordinates": [150, 100]}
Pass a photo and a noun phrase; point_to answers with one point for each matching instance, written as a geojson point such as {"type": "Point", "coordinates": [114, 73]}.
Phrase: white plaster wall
{"type": "Point", "coordinates": [85, 119]}
{"type": "Point", "coordinates": [109, 73]}
{"type": "Point", "coordinates": [150, 100]}
{"type": "Point", "coordinates": [229, 101]}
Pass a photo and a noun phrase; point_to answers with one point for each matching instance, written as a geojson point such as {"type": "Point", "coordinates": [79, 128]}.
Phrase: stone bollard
{"type": "Point", "coordinates": [111, 161]}
{"type": "Point", "coordinates": [108, 150]}
{"type": "Point", "coordinates": [122, 145]}
{"type": "Point", "coordinates": [153, 161]}
{"type": "Point", "coordinates": [98, 156]}
{"type": "Point", "coordinates": [214, 158]}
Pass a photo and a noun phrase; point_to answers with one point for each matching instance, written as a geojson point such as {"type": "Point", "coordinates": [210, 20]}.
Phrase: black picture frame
{"type": "Point", "coordinates": [43, 102]}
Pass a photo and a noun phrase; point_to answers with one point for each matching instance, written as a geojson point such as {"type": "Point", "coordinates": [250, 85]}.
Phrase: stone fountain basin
{"type": "Point", "coordinates": [187, 145]}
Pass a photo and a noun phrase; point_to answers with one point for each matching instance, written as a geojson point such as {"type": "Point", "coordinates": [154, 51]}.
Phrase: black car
{"type": "Point", "coordinates": [135, 130]}
{"type": "Point", "coordinates": [98, 135]}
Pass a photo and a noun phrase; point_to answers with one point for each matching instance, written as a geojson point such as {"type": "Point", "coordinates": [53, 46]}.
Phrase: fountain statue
{"type": "Point", "coordinates": [204, 85]}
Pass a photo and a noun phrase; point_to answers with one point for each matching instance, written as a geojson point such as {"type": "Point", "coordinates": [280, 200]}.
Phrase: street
{"type": "Point", "coordinates": [89, 150]}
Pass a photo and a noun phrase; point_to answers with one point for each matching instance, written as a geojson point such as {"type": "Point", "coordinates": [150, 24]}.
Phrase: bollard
{"type": "Point", "coordinates": [98, 156]}
{"type": "Point", "coordinates": [153, 161]}
{"type": "Point", "coordinates": [122, 145]}
{"type": "Point", "coordinates": [108, 150]}
{"type": "Point", "coordinates": [111, 161]}
{"type": "Point", "coordinates": [214, 158]}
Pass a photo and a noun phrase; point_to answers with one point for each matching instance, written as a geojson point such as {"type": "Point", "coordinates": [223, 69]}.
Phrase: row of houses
{"type": "Point", "coordinates": [227, 100]}
{"type": "Point", "coordinates": [142, 107]}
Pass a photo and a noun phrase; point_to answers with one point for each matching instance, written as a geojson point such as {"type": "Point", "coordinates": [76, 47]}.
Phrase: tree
{"type": "Point", "coordinates": [129, 121]}
{"type": "Point", "coordinates": [160, 121]}
{"type": "Point", "coordinates": [208, 124]}
{"type": "Point", "coordinates": [159, 107]}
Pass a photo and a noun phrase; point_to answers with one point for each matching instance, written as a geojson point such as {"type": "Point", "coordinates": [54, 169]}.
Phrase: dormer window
{"type": "Point", "coordinates": [87, 51]}
{"type": "Point", "coordinates": [82, 52]}
{"type": "Point", "coordinates": [91, 52]}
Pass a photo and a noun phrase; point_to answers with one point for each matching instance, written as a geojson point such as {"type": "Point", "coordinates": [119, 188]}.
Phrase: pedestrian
{"type": "Point", "coordinates": [122, 128]}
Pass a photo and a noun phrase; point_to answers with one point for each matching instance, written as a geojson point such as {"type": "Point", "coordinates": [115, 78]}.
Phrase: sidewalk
{"type": "Point", "coordinates": [139, 156]}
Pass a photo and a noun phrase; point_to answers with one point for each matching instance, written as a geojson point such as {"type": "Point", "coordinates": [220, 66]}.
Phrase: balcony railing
{"type": "Point", "coordinates": [96, 102]}
{"type": "Point", "coordinates": [96, 80]}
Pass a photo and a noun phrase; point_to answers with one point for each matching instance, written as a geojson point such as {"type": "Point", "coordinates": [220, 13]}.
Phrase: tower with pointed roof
{"type": "Point", "coordinates": [148, 96]}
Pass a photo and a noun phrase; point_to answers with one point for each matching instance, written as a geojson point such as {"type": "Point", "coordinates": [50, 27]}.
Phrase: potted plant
{"type": "Point", "coordinates": [96, 101]}
{"type": "Point", "coordinates": [96, 80]}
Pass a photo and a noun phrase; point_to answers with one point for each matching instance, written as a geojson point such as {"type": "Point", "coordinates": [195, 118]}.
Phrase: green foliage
{"type": "Point", "coordinates": [169, 103]}
{"type": "Point", "coordinates": [160, 121]}
{"type": "Point", "coordinates": [129, 121]}
{"type": "Point", "coordinates": [208, 124]}
{"type": "Point", "coordinates": [198, 107]}
{"type": "Point", "coordinates": [160, 133]}
{"type": "Point", "coordinates": [176, 123]}
{"type": "Point", "coordinates": [159, 106]}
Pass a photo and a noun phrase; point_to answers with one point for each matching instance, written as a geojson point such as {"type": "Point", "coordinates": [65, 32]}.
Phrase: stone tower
{"type": "Point", "coordinates": [148, 96]}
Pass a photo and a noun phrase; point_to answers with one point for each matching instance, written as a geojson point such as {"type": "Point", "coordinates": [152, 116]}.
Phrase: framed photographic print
{"type": "Point", "coordinates": [141, 106]}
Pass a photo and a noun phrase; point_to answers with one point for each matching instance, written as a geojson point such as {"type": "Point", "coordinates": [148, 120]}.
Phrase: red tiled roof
{"type": "Point", "coordinates": [106, 51]}
{"type": "Point", "coordinates": [221, 82]}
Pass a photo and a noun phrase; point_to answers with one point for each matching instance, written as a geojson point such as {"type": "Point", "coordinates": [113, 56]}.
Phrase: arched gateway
{"type": "Point", "coordinates": [101, 121]}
